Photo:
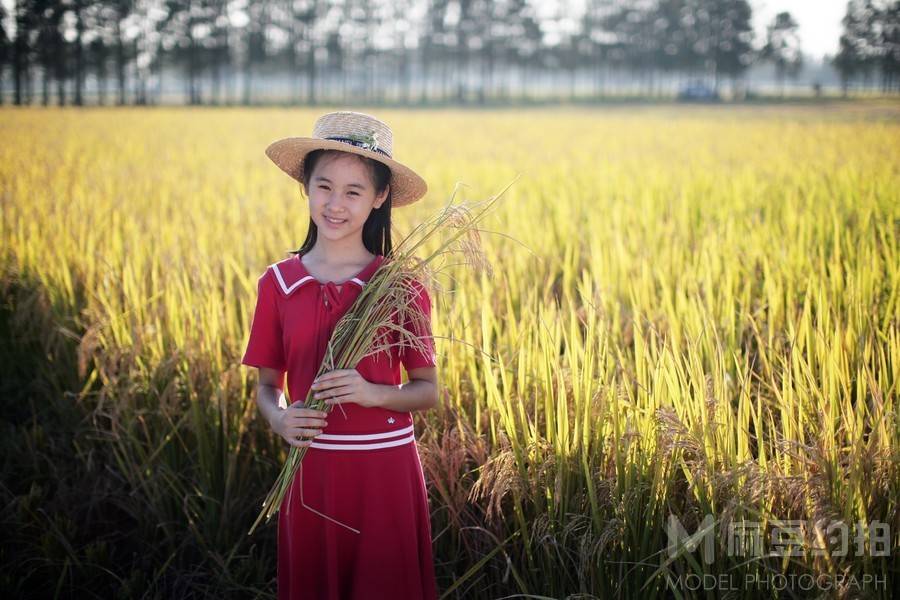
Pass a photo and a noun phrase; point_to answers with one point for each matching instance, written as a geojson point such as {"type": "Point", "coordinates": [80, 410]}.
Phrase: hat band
{"type": "Point", "coordinates": [359, 144]}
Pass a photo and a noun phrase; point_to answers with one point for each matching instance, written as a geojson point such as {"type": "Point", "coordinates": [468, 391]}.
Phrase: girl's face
{"type": "Point", "coordinates": [341, 196]}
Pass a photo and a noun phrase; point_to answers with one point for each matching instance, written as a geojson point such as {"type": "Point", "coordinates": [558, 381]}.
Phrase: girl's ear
{"type": "Point", "coordinates": [380, 198]}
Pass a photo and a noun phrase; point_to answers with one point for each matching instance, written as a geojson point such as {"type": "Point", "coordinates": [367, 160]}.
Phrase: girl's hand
{"type": "Point", "coordinates": [297, 422]}
{"type": "Point", "coordinates": [346, 385]}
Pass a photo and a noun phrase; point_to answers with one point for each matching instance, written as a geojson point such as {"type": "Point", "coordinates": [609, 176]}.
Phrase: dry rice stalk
{"type": "Point", "coordinates": [385, 304]}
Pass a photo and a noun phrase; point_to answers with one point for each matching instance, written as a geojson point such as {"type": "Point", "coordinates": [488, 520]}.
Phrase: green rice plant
{"type": "Point", "coordinates": [689, 312]}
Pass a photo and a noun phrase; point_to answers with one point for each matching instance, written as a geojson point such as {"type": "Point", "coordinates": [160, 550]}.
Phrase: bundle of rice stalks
{"type": "Point", "coordinates": [385, 304]}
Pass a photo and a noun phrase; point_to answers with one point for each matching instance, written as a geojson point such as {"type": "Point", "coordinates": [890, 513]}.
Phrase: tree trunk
{"type": "Point", "coordinates": [573, 83]}
{"type": "Point", "coordinates": [120, 61]}
{"type": "Point", "coordinates": [311, 75]}
{"type": "Point", "coordinates": [45, 84]}
{"type": "Point", "coordinates": [101, 78]}
{"type": "Point", "coordinates": [79, 54]}
{"type": "Point", "coordinates": [138, 93]}
{"type": "Point", "coordinates": [406, 70]}
{"type": "Point", "coordinates": [216, 92]}
{"type": "Point", "coordinates": [18, 66]}
{"type": "Point", "coordinates": [60, 72]}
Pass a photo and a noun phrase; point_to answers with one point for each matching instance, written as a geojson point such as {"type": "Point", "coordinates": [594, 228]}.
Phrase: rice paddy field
{"type": "Point", "coordinates": [690, 325]}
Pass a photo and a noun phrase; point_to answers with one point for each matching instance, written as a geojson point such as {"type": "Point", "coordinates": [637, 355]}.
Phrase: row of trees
{"type": "Point", "coordinates": [415, 50]}
{"type": "Point", "coordinates": [870, 44]}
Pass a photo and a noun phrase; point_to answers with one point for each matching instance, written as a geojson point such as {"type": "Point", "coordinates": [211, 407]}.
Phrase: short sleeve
{"type": "Point", "coordinates": [265, 347]}
{"type": "Point", "coordinates": [411, 357]}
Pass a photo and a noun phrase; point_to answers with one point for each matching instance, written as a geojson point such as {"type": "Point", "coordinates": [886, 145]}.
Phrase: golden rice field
{"type": "Point", "coordinates": [691, 311]}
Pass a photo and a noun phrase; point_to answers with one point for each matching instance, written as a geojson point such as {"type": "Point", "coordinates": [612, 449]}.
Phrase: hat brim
{"type": "Point", "coordinates": [407, 186]}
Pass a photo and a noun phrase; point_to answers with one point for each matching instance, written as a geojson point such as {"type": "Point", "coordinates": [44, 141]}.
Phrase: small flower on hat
{"type": "Point", "coordinates": [369, 140]}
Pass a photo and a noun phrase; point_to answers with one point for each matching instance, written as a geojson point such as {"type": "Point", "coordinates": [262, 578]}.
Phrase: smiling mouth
{"type": "Point", "coordinates": [335, 221]}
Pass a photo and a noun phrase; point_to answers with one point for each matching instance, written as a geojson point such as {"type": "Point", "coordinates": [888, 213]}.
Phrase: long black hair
{"type": "Point", "coordinates": [376, 231]}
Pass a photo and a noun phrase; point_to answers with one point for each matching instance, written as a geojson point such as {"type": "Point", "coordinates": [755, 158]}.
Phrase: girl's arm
{"type": "Point", "coordinates": [268, 391]}
{"type": "Point", "coordinates": [419, 393]}
{"type": "Point", "coordinates": [293, 422]}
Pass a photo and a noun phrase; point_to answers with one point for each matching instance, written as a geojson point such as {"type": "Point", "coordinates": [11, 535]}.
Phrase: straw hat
{"type": "Point", "coordinates": [357, 133]}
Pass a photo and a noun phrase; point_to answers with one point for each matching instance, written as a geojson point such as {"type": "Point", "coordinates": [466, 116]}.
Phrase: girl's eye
{"type": "Point", "coordinates": [354, 194]}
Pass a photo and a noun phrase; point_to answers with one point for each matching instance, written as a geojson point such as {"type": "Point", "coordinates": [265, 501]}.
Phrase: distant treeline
{"type": "Point", "coordinates": [408, 51]}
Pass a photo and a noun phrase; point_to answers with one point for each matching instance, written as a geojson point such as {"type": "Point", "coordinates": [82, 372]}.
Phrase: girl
{"type": "Point", "coordinates": [355, 522]}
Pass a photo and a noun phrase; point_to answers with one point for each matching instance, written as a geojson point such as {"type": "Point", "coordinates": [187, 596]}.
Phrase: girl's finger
{"type": "Point", "coordinates": [303, 432]}
{"type": "Point", "coordinates": [323, 383]}
{"type": "Point", "coordinates": [305, 413]}
{"type": "Point", "coordinates": [298, 421]}
{"type": "Point", "coordinates": [312, 414]}
{"type": "Point", "coordinates": [332, 391]}
{"type": "Point", "coordinates": [306, 426]}
{"type": "Point", "coordinates": [339, 398]}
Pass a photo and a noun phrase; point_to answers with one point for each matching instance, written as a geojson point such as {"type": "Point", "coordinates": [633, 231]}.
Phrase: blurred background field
{"type": "Point", "coordinates": [692, 310]}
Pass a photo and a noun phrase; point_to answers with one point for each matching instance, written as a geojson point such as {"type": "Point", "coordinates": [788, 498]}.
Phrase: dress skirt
{"type": "Point", "coordinates": [361, 529]}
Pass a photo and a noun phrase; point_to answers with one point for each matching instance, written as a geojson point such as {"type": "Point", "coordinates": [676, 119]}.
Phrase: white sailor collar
{"type": "Point", "coordinates": [290, 274]}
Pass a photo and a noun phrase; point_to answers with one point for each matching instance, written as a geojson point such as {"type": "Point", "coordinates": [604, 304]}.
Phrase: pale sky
{"type": "Point", "coordinates": [819, 22]}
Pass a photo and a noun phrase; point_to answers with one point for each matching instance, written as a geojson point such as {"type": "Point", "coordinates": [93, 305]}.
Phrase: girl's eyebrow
{"type": "Point", "coordinates": [321, 178]}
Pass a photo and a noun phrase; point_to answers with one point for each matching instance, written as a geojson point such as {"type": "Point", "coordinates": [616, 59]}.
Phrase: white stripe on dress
{"type": "Point", "coordinates": [287, 290]}
{"type": "Point", "coordinates": [362, 446]}
{"type": "Point", "coordinates": [360, 437]}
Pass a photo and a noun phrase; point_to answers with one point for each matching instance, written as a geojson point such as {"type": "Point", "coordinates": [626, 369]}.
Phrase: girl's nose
{"type": "Point", "coordinates": [334, 205]}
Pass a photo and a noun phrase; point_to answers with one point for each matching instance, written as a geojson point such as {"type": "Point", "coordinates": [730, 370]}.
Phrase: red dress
{"type": "Point", "coordinates": [355, 522]}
